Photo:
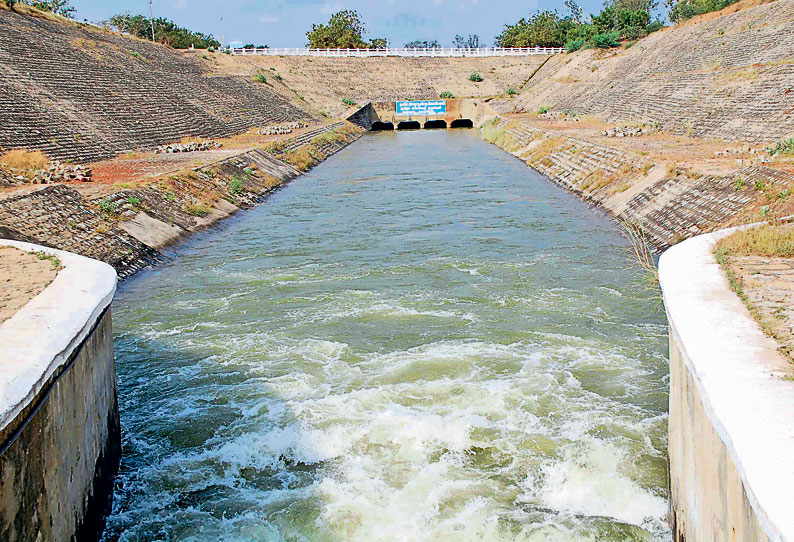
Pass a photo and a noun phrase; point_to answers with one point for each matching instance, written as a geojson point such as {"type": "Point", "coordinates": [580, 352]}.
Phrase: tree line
{"type": "Point", "coordinates": [619, 20]}
{"type": "Point", "coordinates": [161, 30]}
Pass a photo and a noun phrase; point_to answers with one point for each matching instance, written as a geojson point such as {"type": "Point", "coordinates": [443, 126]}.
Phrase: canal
{"type": "Point", "coordinates": [420, 340]}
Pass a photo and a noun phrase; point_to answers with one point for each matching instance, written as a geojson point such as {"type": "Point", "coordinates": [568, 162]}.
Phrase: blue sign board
{"type": "Point", "coordinates": [422, 108]}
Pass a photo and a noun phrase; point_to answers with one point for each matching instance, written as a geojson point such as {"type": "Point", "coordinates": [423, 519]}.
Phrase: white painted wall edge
{"type": "Point", "coordinates": [40, 337]}
{"type": "Point", "coordinates": [739, 374]}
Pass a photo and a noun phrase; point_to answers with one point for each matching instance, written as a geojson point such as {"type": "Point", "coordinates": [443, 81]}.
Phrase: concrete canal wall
{"type": "Point", "coordinates": [59, 422]}
{"type": "Point", "coordinates": [731, 435]}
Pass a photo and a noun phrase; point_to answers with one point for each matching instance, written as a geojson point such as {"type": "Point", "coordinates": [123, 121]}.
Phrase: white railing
{"type": "Point", "coordinates": [432, 52]}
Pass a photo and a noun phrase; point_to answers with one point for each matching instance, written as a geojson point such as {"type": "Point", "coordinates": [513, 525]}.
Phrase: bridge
{"type": "Point", "coordinates": [417, 114]}
{"type": "Point", "coordinates": [402, 52]}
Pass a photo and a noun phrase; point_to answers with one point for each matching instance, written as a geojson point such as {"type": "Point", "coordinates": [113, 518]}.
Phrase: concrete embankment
{"type": "Point", "coordinates": [670, 204]}
{"type": "Point", "coordinates": [60, 439]}
{"type": "Point", "coordinates": [731, 436]}
{"type": "Point", "coordinates": [129, 227]}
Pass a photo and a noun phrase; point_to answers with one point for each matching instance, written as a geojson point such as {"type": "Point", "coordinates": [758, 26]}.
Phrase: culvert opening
{"type": "Point", "coordinates": [462, 123]}
{"type": "Point", "coordinates": [379, 126]}
{"type": "Point", "coordinates": [435, 124]}
{"type": "Point", "coordinates": [409, 125]}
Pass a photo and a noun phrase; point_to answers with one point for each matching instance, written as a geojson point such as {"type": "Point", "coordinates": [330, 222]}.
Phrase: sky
{"type": "Point", "coordinates": [281, 23]}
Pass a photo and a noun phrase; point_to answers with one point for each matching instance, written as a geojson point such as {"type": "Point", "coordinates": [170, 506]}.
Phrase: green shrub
{"type": "Point", "coordinates": [758, 185]}
{"type": "Point", "coordinates": [782, 147]}
{"type": "Point", "coordinates": [446, 95]}
{"type": "Point", "coordinates": [543, 109]}
{"type": "Point", "coordinates": [348, 102]}
{"type": "Point", "coordinates": [493, 131]}
{"type": "Point", "coordinates": [606, 40]}
{"type": "Point", "coordinates": [476, 77]}
{"type": "Point", "coordinates": [107, 207]}
{"type": "Point", "coordinates": [236, 186]}
{"type": "Point", "coordinates": [740, 183]}
{"type": "Point", "coordinates": [135, 54]}
{"type": "Point", "coordinates": [132, 200]}
{"type": "Point", "coordinates": [654, 27]}
{"type": "Point", "coordinates": [278, 76]}
{"type": "Point", "coordinates": [574, 45]}
{"type": "Point", "coordinates": [633, 33]}
{"type": "Point", "coordinates": [260, 78]}
{"type": "Point", "coordinates": [511, 91]}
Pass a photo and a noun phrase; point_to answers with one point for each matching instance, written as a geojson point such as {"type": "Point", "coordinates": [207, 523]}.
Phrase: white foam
{"type": "Point", "coordinates": [589, 481]}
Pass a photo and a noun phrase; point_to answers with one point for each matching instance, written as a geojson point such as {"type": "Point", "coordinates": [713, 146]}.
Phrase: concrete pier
{"type": "Point", "coordinates": [731, 435]}
{"type": "Point", "coordinates": [59, 423]}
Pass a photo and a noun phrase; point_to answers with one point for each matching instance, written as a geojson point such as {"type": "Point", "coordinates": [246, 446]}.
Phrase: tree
{"type": "Point", "coordinates": [165, 31]}
{"type": "Point", "coordinates": [621, 19]}
{"type": "Point", "coordinates": [345, 30]}
{"type": "Point", "coordinates": [59, 7]}
{"type": "Point", "coordinates": [417, 44]}
{"type": "Point", "coordinates": [575, 11]}
{"type": "Point", "coordinates": [472, 42]}
{"type": "Point", "coordinates": [543, 29]}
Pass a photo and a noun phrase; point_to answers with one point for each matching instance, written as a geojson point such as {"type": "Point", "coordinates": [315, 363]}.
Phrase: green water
{"type": "Point", "coordinates": [419, 340]}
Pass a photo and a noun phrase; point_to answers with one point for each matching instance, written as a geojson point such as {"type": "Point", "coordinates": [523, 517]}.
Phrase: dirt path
{"type": "Point", "coordinates": [22, 277]}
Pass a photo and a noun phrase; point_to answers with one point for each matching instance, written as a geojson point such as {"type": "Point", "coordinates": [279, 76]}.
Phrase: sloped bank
{"type": "Point", "coordinates": [731, 436]}
{"type": "Point", "coordinates": [670, 206]}
{"type": "Point", "coordinates": [60, 440]}
{"type": "Point", "coordinates": [129, 228]}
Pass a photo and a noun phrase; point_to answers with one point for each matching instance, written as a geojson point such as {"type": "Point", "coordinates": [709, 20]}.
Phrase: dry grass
{"type": "Point", "coordinates": [302, 159]}
{"type": "Point", "coordinates": [767, 240]}
{"type": "Point", "coordinates": [23, 159]}
{"type": "Point", "coordinates": [546, 147]}
{"type": "Point", "coordinates": [598, 180]}
{"type": "Point", "coordinates": [310, 154]}
{"type": "Point", "coordinates": [198, 208]}
{"type": "Point", "coordinates": [737, 76]}
{"type": "Point", "coordinates": [328, 138]}
{"type": "Point", "coordinates": [642, 252]}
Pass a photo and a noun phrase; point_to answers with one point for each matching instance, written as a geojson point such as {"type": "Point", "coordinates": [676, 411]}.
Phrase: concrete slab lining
{"type": "Point", "coordinates": [39, 339]}
{"type": "Point", "coordinates": [736, 378]}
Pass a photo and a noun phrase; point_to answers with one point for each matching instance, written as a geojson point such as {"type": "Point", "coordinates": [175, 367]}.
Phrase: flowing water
{"type": "Point", "coordinates": [421, 339]}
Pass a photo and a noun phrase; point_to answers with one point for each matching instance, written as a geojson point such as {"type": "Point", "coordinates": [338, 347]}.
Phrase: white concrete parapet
{"type": "Point", "coordinates": [731, 409]}
{"type": "Point", "coordinates": [40, 337]}
{"type": "Point", "coordinates": [402, 52]}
